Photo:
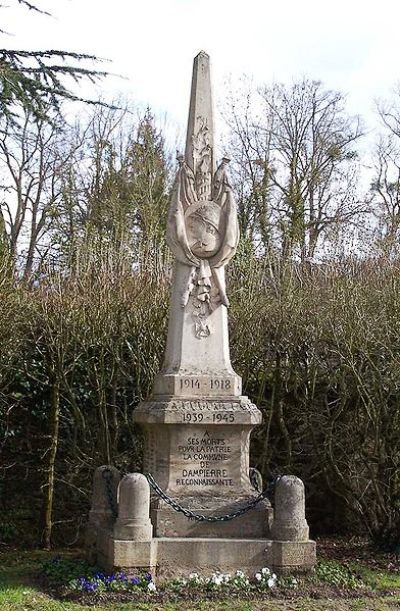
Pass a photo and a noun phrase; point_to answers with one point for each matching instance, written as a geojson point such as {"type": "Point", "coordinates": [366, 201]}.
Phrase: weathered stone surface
{"type": "Point", "coordinates": [104, 549]}
{"type": "Point", "coordinates": [170, 558]}
{"type": "Point", "coordinates": [198, 453]}
{"type": "Point", "coordinates": [253, 524]}
{"type": "Point", "coordinates": [201, 105]}
{"type": "Point", "coordinates": [133, 522]}
{"type": "Point", "coordinates": [201, 411]}
{"type": "Point", "coordinates": [225, 384]}
{"type": "Point", "coordinates": [291, 557]}
{"type": "Point", "coordinates": [205, 556]}
{"type": "Point", "coordinates": [100, 514]}
{"type": "Point", "coordinates": [199, 446]}
{"type": "Point", "coordinates": [177, 557]}
{"type": "Point", "coordinates": [289, 517]}
{"type": "Point", "coordinates": [132, 556]}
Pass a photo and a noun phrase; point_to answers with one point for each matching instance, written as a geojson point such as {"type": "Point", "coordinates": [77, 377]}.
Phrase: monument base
{"type": "Point", "coordinates": [254, 524]}
{"type": "Point", "coordinates": [197, 452]}
{"type": "Point", "coordinates": [169, 558]}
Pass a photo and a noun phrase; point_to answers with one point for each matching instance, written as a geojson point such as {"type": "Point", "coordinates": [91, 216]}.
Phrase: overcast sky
{"type": "Point", "coordinates": [351, 45]}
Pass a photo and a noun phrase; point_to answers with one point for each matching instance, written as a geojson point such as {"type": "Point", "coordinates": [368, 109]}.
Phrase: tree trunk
{"type": "Point", "coordinates": [49, 487]}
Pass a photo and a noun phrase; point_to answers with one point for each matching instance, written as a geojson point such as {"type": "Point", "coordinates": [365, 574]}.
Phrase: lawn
{"type": "Point", "coordinates": [348, 578]}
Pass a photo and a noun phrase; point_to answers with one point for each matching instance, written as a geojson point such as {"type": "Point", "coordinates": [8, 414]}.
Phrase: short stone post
{"type": "Point", "coordinates": [133, 522]}
{"type": "Point", "coordinates": [133, 544]}
{"type": "Point", "coordinates": [104, 505]}
{"type": "Point", "coordinates": [104, 496]}
{"type": "Point", "coordinates": [289, 515]}
{"type": "Point", "coordinates": [292, 551]}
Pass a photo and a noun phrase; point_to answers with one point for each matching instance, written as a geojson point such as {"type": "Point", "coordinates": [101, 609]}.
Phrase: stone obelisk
{"type": "Point", "coordinates": [197, 424]}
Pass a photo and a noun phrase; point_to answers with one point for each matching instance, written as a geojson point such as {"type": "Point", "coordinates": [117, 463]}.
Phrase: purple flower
{"type": "Point", "coordinates": [122, 577]}
{"type": "Point", "coordinates": [135, 581]}
{"type": "Point", "coordinates": [148, 577]}
{"type": "Point", "coordinates": [89, 586]}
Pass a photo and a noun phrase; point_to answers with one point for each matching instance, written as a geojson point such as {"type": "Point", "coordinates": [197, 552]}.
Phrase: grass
{"type": "Point", "coordinates": [20, 592]}
{"type": "Point", "coordinates": [377, 579]}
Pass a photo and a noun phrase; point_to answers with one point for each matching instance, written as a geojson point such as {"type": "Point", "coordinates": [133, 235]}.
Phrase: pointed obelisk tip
{"type": "Point", "coordinates": [199, 151]}
{"type": "Point", "coordinates": [202, 54]}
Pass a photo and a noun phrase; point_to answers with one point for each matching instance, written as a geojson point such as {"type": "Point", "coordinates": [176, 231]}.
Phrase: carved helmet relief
{"type": "Point", "coordinates": [203, 221]}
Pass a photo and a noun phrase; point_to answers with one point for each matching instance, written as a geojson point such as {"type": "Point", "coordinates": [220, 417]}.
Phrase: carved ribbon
{"type": "Point", "coordinates": [202, 270]}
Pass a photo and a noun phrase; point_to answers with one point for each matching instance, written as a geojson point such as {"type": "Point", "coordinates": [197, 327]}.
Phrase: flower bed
{"type": "Point", "coordinates": [74, 579]}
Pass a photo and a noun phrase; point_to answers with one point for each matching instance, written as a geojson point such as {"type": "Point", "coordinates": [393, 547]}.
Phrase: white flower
{"type": "Point", "coordinates": [226, 578]}
{"type": "Point", "coordinates": [195, 578]}
{"type": "Point", "coordinates": [265, 571]}
{"type": "Point", "coordinates": [271, 583]}
{"type": "Point", "coordinates": [217, 579]}
{"type": "Point", "coordinates": [151, 586]}
{"type": "Point", "coordinates": [258, 576]}
{"type": "Point", "coordinates": [240, 574]}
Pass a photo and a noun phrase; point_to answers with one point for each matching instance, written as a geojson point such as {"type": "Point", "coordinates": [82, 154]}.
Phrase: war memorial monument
{"type": "Point", "coordinates": [194, 507]}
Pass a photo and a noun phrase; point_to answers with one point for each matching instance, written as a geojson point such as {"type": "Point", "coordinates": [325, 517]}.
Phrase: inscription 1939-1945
{"type": "Point", "coordinates": [227, 417]}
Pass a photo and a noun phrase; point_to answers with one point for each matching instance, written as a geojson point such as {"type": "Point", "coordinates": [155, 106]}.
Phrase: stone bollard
{"type": "Point", "coordinates": [133, 522]}
{"type": "Point", "coordinates": [289, 515]}
{"type": "Point", "coordinates": [101, 513]}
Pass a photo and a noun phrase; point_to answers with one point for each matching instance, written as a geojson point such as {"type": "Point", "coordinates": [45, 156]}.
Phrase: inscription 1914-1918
{"type": "Point", "coordinates": [203, 457]}
{"type": "Point", "coordinates": [212, 384]}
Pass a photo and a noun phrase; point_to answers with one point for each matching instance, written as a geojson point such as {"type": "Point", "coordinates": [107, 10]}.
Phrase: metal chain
{"type": "Point", "coordinates": [108, 476]}
{"type": "Point", "coordinates": [255, 479]}
{"type": "Point", "coordinates": [198, 517]}
{"type": "Point", "coordinates": [191, 515]}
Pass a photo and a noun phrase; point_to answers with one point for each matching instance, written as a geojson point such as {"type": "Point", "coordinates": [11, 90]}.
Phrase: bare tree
{"type": "Point", "coordinates": [31, 157]}
{"type": "Point", "coordinates": [299, 164]}
{"type": "Point", "coordinates": [384, 195]}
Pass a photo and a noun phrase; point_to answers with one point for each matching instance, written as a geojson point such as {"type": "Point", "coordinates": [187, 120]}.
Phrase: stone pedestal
{"type": "Point", "coordinates": [168, 558]}
{"type": "Point", "coordinates": [198, 453]}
